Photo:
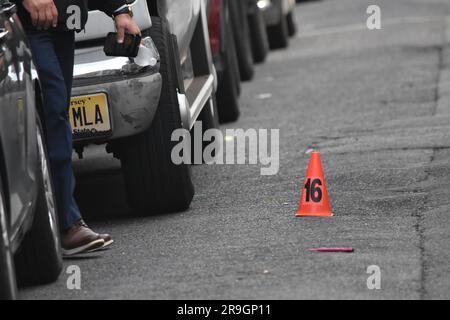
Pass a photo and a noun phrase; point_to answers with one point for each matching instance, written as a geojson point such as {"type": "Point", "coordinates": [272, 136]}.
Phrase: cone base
{"type": "Point", "coordinates": [302, 214]}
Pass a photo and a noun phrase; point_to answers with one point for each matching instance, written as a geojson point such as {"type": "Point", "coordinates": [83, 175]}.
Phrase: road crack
{"type": "Point", "coordinates": [420, 229]}
{"type": "Point", "coordinates": [420, 212]}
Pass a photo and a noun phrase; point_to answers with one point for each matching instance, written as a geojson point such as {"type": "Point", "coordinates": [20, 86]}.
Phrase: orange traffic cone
{"type": "Point", "coordinates": [314, 201]}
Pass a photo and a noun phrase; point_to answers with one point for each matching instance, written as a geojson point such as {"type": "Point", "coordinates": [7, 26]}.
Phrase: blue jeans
{"type": "Point", "coordinates": [53, 54]}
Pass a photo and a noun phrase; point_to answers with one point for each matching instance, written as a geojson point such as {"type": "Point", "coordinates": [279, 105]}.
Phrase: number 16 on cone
{"type": "Point", "coordinates": [314, 200]}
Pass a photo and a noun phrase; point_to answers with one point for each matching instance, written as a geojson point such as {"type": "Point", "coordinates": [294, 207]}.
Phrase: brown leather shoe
{"type": "Point", "coordinates": [80, 239]}
{"type": "Point", "coordinates": [108, 241]}
{"type": "Point", "coordinates": [106, 238]}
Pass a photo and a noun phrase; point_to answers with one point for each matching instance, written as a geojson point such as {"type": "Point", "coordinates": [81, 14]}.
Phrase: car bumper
{"type": "Point", "coordinates": [132, 92]}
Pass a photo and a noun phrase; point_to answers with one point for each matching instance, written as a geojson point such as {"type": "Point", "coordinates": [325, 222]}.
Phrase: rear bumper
{"type": "Point", "coordinates": [132, 103]}
{"type": "Point", "coordinates": [133, 92]}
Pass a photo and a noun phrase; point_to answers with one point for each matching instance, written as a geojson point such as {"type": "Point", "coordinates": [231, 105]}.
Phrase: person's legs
{"type": "Point", "coordinates": [65, 48]}
{"type": "Point", "coordinates": [53, 56]}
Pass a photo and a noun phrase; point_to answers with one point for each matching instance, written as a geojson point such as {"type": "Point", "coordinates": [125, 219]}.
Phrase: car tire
{"type": "Point", "coordinates": [210, 120]}
{"type": "Point", "coordinates": [242, 39]}
{"type": "Point", "coordinates": [229, 82]}
{"type": "Point", "coordinates": [279, 33]}
{"type": "Point", "coordinates": [8, 287]}
{"type": "Point", "coordinates": [209, 116]}
{"type": "Point", "coordinates": [154, 184]}
{"type": "Point", "coordinates": [39, 259]}
{"type": "Point", "coordinates": [258, 35]}
{"type": "Point", "coordinates": [291, 24]}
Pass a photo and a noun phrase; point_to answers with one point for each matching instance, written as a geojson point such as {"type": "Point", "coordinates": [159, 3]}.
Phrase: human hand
{"type": "Point", "coordinates": [125, 24]}
{"type": "Point", "coordinates": [43, 13]}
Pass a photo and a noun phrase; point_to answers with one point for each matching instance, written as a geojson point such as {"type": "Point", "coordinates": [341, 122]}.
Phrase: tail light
{"type": "Point", "coordinates": [214, 25]}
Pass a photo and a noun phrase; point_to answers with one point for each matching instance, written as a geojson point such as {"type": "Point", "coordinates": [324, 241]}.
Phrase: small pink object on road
{"type": "Point", "coordinates": [345, 250]}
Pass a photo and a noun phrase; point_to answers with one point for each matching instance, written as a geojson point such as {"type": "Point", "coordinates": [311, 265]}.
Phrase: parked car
{"type": "Point", "coordinates": [249, 30]}
{"type": "Point", "coordinates": [241, 32]}
{"type": "Point", "coordinates": [280, 20]}
{"type": "Point", "coordinates": [142, 105]}
{"type": "Point", "coordinates": [223, 47]}
{"type": "Point", "coordinates": [258, 31]}
{"type": "Point", "coordinates": [29, 236]}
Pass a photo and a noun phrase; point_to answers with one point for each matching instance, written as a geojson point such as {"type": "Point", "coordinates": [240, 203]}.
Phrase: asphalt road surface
{"type": "Point", "coordinates": [377, 106]}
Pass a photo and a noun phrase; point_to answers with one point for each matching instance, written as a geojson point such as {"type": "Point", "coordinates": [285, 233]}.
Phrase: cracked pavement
{"type": "Point", "coordinates": [376, 104]}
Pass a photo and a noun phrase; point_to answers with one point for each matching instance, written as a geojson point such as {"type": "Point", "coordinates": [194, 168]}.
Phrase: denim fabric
{"type": "Point", "coordinates": [53, 54]}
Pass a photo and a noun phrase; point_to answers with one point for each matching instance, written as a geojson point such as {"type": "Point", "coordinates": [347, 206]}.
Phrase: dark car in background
{"type": "Point", "coordinates": [29, 238]}
{"type": "Point", "coordinates": [223, 48]}
{"type": "Point", "coordinates": [258, 32]}
{"type": "Point", "coordinates": [249, 31]}
{"type": "Point", "coordinates": [241, 34]}
{"type": "Point", "coordinates": [280, 19]}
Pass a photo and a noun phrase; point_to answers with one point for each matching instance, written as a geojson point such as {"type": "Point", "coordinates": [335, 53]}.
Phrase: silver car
{"type": "Point", "coordinates": [28, 226]}
{"type": "Point", "coordinates": [134, 107]}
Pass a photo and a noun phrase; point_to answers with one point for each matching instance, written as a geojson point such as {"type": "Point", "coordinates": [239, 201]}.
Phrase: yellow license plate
{"type": "Point", "coordinates": [89, 116]}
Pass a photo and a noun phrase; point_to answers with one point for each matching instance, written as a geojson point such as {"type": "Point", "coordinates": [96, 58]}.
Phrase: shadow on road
{"type": "Point", "coordinates": [101, 193]}
{"type": "Point", "coordinates": [100, 190]}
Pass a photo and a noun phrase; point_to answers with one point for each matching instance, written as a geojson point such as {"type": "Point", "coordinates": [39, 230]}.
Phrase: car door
{"type": "Point", "coordinates": [16, 123]}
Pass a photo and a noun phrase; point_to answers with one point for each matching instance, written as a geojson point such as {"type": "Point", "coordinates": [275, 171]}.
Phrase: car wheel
{"type": "Point", "coordinates": [229, 82]}
{"type": "Point", "coordinates": [8, 287]}
{"type": "Point", "coordinates": [279, 33]}
{"type": "Point", "coordinates": [154, 183]}
{"type": "Point", "coordinates": [258, 35]}
{"type": "Point", "coordinates": [209, 119]}
{"type": "Point", "coordinates": [39, 260]}
{"type": "Point", "coordinates": [242, 39]}
{"type": "Point", "coordinates": [291, 24]}
{"type": "Point", "coordinates": [210, 115]}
